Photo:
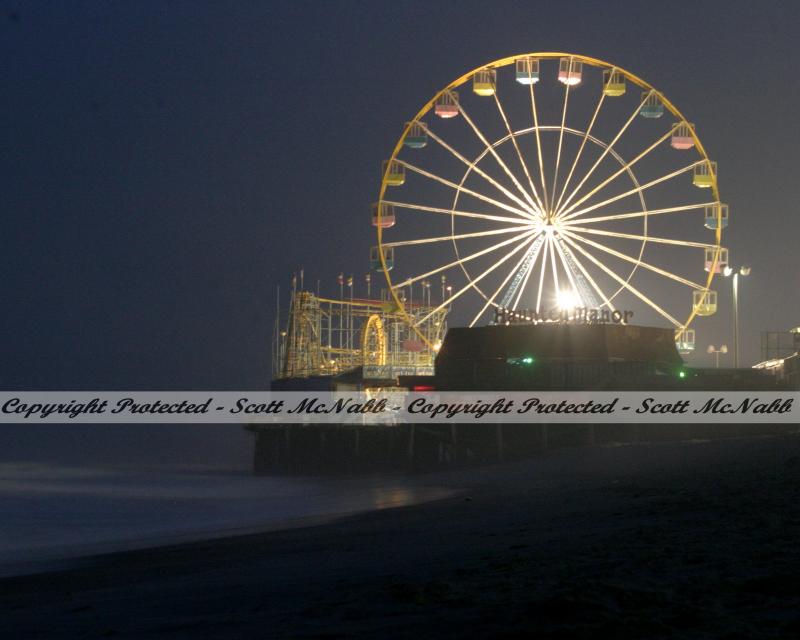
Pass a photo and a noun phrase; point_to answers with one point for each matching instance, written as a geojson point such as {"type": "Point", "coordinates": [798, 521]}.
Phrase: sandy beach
{"type": "Point", "coordinates": [673, 540]}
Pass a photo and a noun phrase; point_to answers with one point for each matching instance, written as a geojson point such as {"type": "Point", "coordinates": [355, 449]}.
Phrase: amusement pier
{"type": "Point", "coordinates": [547, 221]}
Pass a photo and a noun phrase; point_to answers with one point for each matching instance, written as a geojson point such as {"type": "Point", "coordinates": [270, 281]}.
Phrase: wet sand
{"type": "Point", "coordinates": [641, 541]}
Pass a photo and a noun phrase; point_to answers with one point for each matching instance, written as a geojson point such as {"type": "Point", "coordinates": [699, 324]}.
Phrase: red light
{"type": "Point", "coordinates": [423, 387]}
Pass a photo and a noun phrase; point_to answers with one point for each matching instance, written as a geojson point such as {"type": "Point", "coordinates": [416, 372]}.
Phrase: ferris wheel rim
{"type": "Point", "coordinates": [509, 60]}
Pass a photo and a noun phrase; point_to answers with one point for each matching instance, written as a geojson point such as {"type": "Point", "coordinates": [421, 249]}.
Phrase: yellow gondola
{"type": "Point", "coordinates": [704, 174]}
{"type": "Point", "coordinates": [704, 302]}
{"type": "Point", "coordinates": [484, 82]}
{"type": "Point", "coordinates": [613, 82]}
{"type": "Point", "coordinates": [394, 172]}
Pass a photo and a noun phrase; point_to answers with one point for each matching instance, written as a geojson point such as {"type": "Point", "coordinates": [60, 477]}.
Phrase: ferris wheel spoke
{"type": "Point", "coordinates": [553, 267]}
{"type": "Point", "coordinates": [580, 150]}
{"type": "Point", "coordinates": [472, 283]}
{"type": "Point", "coordinates": [605, 151]}
{"type": "Point", "coordinates": [502, 205]}
{"type": "Point", "coordinates": [539, 205]}
{"type": "Point", "coordinates": [541, 275]}
{"type": "Point", "coordinates": [635, 261]}
{"type": "Point", "coordinates": [560, 140]}
{"type": "Point", "coordinates": [632, 236]}
{"type": "Point", "coordinates": [461, 236]}
{"type": "Point", "coordinates": [538, 145]}
{"type": "Point", "coordinates": [565, 264]}
{"type": "Point", "coordinates": [625, 283]}
{"type": "Point", "coordinates": [494, 153]}
{"type": "Point", "coordinates": [639, 214]}
{"type": "Point", "coordinates": [460, 261]}
{"type": "Point", "coordinates": [473, 166]}
{"type": "Point", "coordinates": [527, 276]}
{"type": "Point", "coordinates": [630, 192]}
{"type": "Point", "coordinates": [587, 275]}
{"type": "Point", "coordinates": [454, 212]}
{"type": "Point", "coordinates": [512, 271]}
{"type": "Point", "coordinates": [625, 167]}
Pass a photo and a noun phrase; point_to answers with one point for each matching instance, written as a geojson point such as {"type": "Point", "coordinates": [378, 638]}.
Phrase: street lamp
{"type": "Point", "coordinates": [730, 271]}
{"type": "Point", "coordinates": [723, 349]}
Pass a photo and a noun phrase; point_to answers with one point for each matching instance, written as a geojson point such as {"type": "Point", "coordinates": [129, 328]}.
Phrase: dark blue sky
{"type": "Point", "coordinates": [165, 164]}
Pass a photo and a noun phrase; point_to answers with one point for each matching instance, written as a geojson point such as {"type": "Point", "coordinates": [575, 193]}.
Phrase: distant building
{"type": "Point", "coordinates": [562, 357]}
{"type": "Point", "coordinates": [780, 356]}
{"type": "Point", "coordinates": [779, 344]}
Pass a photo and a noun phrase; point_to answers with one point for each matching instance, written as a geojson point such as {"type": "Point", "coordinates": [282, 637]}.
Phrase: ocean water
{"type": "Point", "coordinates": [65, 505]}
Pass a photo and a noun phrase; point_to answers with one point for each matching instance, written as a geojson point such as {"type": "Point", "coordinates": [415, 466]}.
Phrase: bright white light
{"type": "Point", "coordinates": [568, 300]}
{"type": "Point", "coordinates": [571, 81]}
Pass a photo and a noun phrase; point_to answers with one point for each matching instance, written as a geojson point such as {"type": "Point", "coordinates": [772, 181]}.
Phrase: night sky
{"type": "Point", "coordinates": [166, 165]}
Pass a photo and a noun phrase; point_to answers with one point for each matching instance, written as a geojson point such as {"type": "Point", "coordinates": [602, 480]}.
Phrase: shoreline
{"type": "Point", "coordinates": [57, 517]}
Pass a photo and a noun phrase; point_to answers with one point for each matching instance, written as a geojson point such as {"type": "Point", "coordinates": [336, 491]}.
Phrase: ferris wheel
{"type": "Point", "coordinates": [548, 184]}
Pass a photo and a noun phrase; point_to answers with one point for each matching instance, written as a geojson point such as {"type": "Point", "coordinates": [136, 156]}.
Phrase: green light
{"type": "Point", "coordinates": [681, 374]}
{"type": "Point", "coordinates": [527, 360]}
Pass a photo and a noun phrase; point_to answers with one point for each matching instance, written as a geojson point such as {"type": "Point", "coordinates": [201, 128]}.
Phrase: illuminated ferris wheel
{"type": "Point", "coordinates": [551, 181]}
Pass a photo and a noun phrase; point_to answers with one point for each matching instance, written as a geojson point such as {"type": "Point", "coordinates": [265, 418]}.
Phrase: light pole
{"type": "Point", "coordinates": [723, 349]}
{"type": "Point", "coordinates": [741, 271]}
